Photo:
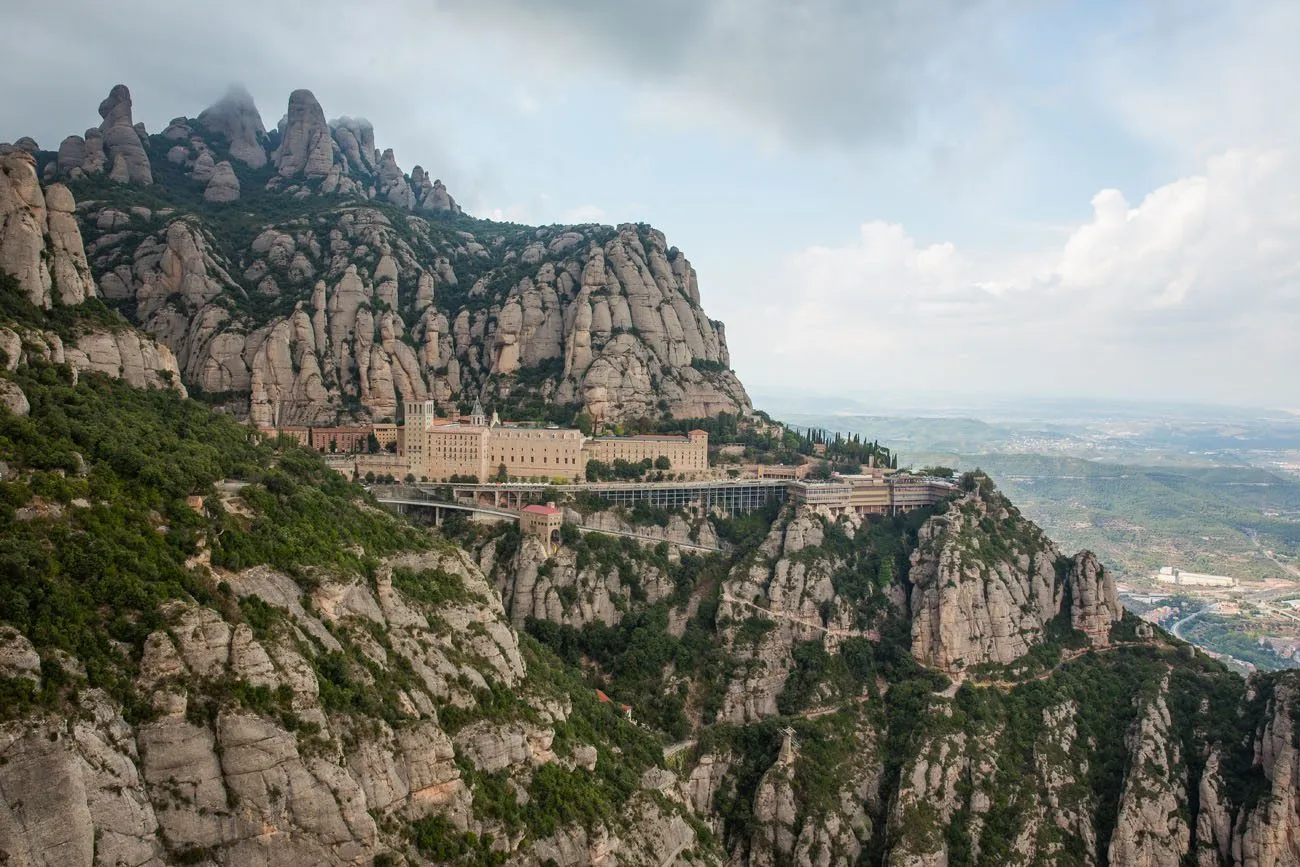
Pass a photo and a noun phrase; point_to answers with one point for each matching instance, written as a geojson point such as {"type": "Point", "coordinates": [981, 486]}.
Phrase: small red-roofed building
{"type": "Point", "coordinates": [543, 522]}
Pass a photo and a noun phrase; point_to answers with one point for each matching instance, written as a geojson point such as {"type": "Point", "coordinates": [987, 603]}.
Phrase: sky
{"type": "Point", "coordinates": [1006, 197]}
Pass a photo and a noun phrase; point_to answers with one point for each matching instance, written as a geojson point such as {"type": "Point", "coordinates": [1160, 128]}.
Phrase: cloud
{"type": "Point", "coordinates": [1192, 293]}
{"type": "Point", "coordinates": [585, 214]}
{"type": "Point", "coordinates": [824, 72]}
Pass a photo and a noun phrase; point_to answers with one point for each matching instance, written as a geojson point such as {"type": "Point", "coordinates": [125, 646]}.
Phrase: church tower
{"type": "Point", "coordinates": [476, 414]}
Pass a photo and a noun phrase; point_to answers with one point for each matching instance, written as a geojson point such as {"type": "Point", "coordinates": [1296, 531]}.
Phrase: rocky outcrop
{"type": "Point", "coordinates": [611, 315]}
{"type": "Point", "coordinates": [392, 182]}
{"type": "Point", "coordinates": [775, 601]}
{"type": "Point", "coordinates": [306, 147]}
{"type": "Point", "coordinates": [1266, 837]}
{"type": "Point", "coordinates": [119, 354]}
{"type": "Point", "coordinates": [13, 399]}
{"type": "Point", "coordinates": [1094, 604]}
{"type": "Point", "coordinates": [986, 584]}
{"type": "Point", "coordinates": [356, 139]}
{"type": "Point", "coordinates": [235, 117]}
{"type": "Point", "coordinates": [223, 185]}
{"type": "Point", "coordinates": [367, 323]}
{"type": "Point", "coordinates": [123, 150]}
{"type": "Point", "coordinates": [431, 194]}
{"type": "Point", "coordinates": [1151, 828]}
{"type": "Point", "coordinates": [127, 355]}
{"type": "Point", "coordinates": [40, 243]}
{"type": "Point", "coordinates": [23, 224]}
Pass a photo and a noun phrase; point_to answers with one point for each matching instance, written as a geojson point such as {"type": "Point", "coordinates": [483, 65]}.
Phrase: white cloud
{"type": "Point", "coordinates": [584, 214]}
{"type": "Point", "coordinates": [1192, 293]}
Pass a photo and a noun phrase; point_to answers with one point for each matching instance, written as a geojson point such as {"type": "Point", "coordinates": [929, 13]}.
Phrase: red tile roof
{"type": "Point", "coordinates": [542, 510]}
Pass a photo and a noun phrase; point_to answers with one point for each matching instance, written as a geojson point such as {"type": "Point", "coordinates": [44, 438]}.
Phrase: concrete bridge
{"type": "Point", "coordinates": [736, 496]}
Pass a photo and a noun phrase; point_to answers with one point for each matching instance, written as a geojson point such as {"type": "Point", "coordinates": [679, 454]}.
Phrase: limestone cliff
{"type": "Point", "coordinates": [986, 584]}
{"type": "Point", "coordinates": [40, 244]}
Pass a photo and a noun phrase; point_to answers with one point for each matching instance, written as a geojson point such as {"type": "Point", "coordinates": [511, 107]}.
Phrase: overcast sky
{"type": "Point", "coordinates": [1091, 197]}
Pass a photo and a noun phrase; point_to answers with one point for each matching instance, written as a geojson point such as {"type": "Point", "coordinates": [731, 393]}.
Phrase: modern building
{"type": "Point", "coordinates": [876, 491]}
{"type": "Point", "coordinates": [1174, 575]}
{"type": "Point", "coordinates": [784, 472]}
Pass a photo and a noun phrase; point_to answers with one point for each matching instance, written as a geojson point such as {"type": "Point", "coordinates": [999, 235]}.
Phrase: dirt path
{"type": "Point", "coordinates": [811, 624]}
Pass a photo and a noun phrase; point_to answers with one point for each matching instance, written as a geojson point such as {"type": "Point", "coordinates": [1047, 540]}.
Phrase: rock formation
{"type": "Point", "coordinates": [305, 145]}
{"type": "Point", "coordinates": [40, 243]}
{"type": "Point", "coordinates": [356, 139]}
{"type": "Point", "coordinates": [392, 183]}
{"type": "Point", "coordinates": [235, 116]}
{"type": "Point", "coordinates": [223, 186]}
{"type": "Point", "coordinates": [987, 584]}
{"type": "Point", "coordinates": [122, 146]}
{"type": "Point", "coordinates": [431, 195]}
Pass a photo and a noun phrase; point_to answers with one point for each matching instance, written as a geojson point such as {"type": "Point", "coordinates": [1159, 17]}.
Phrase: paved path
{"type": "Point", "coordinates": [811, 624]}
{"type": "Point", "coordinates": [674, 749]}
{"type": "Point", "coordinates": [655, 539]}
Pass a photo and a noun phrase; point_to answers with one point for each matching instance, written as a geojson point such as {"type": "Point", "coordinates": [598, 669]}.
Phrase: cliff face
{"type": "Point", "coordinates": [986, 584]}
{"type": "Point", "coordinates": [40, 244]}
{"type": "Point", "coordinates": [360, 287]}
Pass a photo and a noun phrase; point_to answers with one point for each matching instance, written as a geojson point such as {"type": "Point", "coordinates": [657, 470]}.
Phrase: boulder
{"type": "Point", "coordinates": [224, 186]}
{"type": "Point", "coordinates": [13, 399]}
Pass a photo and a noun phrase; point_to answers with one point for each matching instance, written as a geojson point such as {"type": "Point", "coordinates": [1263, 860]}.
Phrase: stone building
{"type": "Point", "coordinates": [343, 439]}
{"type": "Point", "coordinates": [686, 454]}
{"type": "Point", "coordinates": [542, 522]}
{"type": "Point", "coordinates": [437, 448]}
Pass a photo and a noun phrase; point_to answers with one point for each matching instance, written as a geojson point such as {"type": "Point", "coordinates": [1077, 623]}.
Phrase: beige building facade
{"type": "Point", "coordinates": [686, 454]}
{"type": "Point", "coordinates": [437, 449]}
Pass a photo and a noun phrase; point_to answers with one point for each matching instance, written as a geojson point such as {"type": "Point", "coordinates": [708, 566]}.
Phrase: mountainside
{"type": "Point", "coordinates": [214, 650]}
{"type": "Point", "coordinates": [302, 277]}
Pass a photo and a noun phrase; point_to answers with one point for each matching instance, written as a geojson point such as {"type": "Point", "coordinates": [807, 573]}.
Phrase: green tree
{"type": "Point", "coordinates": [662, 463]}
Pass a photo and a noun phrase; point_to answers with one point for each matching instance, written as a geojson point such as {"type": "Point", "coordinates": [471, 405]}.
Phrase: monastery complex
{"type": "Point", "coordinates": [439, 448]}
{"type": "Point", "coordinates": [474, 448]}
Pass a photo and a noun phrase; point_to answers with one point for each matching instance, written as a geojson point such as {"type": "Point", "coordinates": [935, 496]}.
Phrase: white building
{"type": "Point", "coordinates": [1174, 575]}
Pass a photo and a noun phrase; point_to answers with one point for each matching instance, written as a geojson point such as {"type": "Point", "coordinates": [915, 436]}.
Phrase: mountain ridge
{"type": "Point", "coordinates": [304, 277]}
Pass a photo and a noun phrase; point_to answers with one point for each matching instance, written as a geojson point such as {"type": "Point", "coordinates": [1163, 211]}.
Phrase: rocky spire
{"type": "Point", "coordinates": [305, 144]}
{"type": "Point", "coordinates": [236, 117]}
{"type": "Point", "coordinates": [126, 157]}
{"type": "Point", "coordinates": [356, 139]}
{"type": "Point", "coordinates": [431, 195]}
{"type": "Point", "coordinates": [392, 182]}
{"type": "Point", "coordinates": [40, 243]}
